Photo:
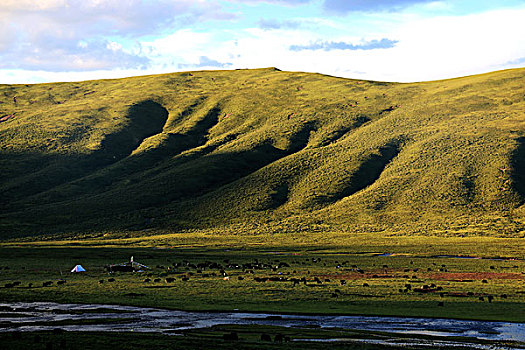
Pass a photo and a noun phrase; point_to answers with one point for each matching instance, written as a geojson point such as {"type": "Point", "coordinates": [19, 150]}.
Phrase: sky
{"type": "Point", "coordinates": [387, 40]}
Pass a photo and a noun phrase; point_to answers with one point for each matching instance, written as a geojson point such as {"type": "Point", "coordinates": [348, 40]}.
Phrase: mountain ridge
{"type": "Point", "coordinates": [264, 151]}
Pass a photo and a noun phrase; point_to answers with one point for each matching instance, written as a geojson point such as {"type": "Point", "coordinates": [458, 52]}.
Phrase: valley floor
{"type": "Point", "coordinates": [478, 278]}
{"type": "Point", "coordinates": [464, 278]}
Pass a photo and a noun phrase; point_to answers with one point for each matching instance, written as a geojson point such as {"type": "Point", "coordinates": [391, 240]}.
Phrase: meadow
{"type": "Point", "coordinates": [468, 278]}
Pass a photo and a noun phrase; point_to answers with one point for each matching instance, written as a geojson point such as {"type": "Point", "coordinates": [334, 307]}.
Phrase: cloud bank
{"type": "Point", "coordinates": [344, 6]}
{"type": "Point", "coordinates": [331, 45]}
{"type": "Point", "coordinates": [78, 35]}
{"type": "Point", "coordinates": [395, 40]}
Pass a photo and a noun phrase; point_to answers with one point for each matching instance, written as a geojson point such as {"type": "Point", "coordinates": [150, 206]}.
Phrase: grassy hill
{"type": "Point", "coordinates": [263, 150]}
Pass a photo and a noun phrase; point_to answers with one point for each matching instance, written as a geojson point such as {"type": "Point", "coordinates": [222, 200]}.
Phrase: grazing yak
{"type": "Point", "coordinates": [266, 337]}
{"type": "Point", "coordinates": [232, 336]}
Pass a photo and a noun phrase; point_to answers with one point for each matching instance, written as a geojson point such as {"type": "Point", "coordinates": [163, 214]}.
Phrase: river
{"type": "Point", "coordinates": [34, 316]}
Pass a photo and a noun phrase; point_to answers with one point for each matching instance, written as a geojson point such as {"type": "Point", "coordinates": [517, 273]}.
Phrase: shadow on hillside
{"type": "Point", "coordinates": [172, 145]}
{"type": "Point", "coordinates": [368, 172]}
{"type": "Point", "coordinates": [107, 196]}
{"type": "Point", "coordinates": [518, 169]}
{"type": "Point", "coordinates": [145, 119]}
{"type": "Point", "coordinates": [111, 208]}
{"type": "Point", "coordinates": [340, 133]}
{"type": "Point", "coordinates": [300, 139]}
{"type": "Point", "coordinates": [175, 143]}
{"type": "Point", "coordinates": [277, 197]}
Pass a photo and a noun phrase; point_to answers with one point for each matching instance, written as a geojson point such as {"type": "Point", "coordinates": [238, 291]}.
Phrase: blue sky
{"type": "Point", "coordinates": [391, 40]}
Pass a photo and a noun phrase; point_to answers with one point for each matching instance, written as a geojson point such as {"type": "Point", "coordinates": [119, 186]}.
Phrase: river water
{"type": "Point", "coordinates": [34, 316]}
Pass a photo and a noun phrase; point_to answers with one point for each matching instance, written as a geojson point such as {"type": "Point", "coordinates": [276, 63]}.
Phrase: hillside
{"type": "Point", "coordinates": [253, 151]}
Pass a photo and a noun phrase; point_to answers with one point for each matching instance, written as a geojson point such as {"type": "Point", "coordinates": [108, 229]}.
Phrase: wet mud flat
{"type": "Point", "coordinates": [336, 329]}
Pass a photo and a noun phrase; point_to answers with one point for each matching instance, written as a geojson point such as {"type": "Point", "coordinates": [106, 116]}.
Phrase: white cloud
{"type": "Point", "coordinates": [89, 34]}
{"type": "Point", "coordinates": [182, 47]}
{"type": "Point", "coordinates": [114, 46]}
{"type": "Point", "coordinates": [438, 5]}
{"type": "Point", "coordinates": [280, 2]}
{"type": "Point", "coordinates": [341, 7]}
{"type": "Point", "coordinates": [16, 76]}
{"type": "Point", "coordinates": [427, 49]}
{"type": "Point", "coordinates": [31, 5]}
{"type": "Point", "coordinates": [453, 46]}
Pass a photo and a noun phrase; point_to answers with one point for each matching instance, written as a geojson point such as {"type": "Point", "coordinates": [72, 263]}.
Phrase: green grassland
{"type": "Point", "coordinates": [373, 284]}
{"type": "Point", "coordinates": [262, 152]}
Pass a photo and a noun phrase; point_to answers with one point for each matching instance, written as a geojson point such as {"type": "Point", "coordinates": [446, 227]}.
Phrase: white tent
{"type": "Point", "coordinates": [78, 268]}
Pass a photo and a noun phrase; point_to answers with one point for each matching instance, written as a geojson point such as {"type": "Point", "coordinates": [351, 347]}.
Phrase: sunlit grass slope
{"type": "Point", "coordinates": [264, 151]}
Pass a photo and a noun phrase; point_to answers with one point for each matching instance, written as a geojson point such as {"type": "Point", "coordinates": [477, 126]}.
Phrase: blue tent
{"type": "Point", "coordinates": [78, 268]}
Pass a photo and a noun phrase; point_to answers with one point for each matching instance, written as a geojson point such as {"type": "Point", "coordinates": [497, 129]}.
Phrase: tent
{"type": "Point", "coordinates": [78, 268]}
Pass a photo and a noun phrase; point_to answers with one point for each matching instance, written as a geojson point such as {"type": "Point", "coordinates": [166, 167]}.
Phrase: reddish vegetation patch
{"type": "Point", "coordinates": [426, 290]}
{"type": "Point", "coordinates": [464, 294]}
{"type": "Point", "coordinates": [451, 276]}
{"type": "Point", "coordinates": [382, 276]}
